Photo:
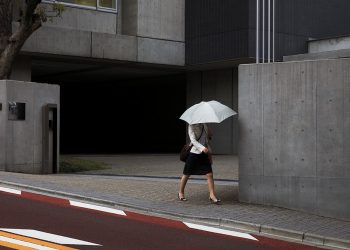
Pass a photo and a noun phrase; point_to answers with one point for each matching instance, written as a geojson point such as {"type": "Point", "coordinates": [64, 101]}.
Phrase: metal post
{"type": "Point", "coordinates": [257, 31]}
{"type": "Point", "coordinates": [263, 31]}
{"type": "Point", "coordinates": [273, 30]}
{"type": "Point", "coordinates": [269, 32]}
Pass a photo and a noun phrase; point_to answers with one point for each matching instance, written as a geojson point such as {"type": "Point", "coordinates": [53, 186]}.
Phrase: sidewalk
{"type": "Point", "coordinates": [157, 194]}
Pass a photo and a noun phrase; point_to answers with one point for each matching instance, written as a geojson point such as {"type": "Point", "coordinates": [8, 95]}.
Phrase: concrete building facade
{"type": "Point", "coordinates": [151, 54]}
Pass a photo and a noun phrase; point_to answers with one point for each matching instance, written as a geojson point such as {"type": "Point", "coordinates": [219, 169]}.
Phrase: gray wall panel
{"type": "Point", "coordinates": [330, 119]}
{"type": "Point", "coordinates": [250, 122]}
{"type": "Point", "coordinates": [250, 188]}
{"type": "Point", "coordinates": [333, 196]}
{"type": "Point", "coordinates": [21, 150]}
{"type": "Point", "coordinates": [305, 135]}
{"type": "Point", "coordinates": [346, 130]}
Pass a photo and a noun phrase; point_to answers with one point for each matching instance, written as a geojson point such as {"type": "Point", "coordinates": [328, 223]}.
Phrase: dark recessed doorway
{"type": "Point", "coordinates": [127, 116]}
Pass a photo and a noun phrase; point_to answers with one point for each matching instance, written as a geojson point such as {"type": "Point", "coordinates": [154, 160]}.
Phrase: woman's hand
{"type": "Point", "coordinates": [205, 150]}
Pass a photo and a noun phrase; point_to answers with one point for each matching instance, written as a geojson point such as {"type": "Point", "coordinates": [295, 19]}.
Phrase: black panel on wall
{"type": "Point", "coordinates": [216, 30]}
{"type": "Point", "coordinates": [220, 30]}
{"type": "Point", "coordinates": [298, 21]}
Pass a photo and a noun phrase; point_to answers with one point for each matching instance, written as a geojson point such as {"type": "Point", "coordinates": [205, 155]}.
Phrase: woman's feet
{"type": "Point", "coordinates": [215, 200]}
{"type": "Point", "coordinates": [181, 197]}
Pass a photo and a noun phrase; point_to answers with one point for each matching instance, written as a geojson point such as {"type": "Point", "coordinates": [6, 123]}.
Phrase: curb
{"type": "Point", "coordinates": [298, 236]}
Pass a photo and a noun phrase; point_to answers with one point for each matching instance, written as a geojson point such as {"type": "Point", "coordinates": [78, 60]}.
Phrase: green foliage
{"type": "Point", "coordinates": [48, 13]}
{"type": "Point", "coordinates": [72, 164]}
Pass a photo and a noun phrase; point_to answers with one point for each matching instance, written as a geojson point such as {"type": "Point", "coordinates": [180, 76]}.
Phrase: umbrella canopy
{"type": "Point", "coordinates": [207, 112]}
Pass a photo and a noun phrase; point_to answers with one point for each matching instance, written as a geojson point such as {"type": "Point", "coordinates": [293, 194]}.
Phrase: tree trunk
{"type": "Point", "coordinates": [6, 7]}
{"type": "Point", "coordinates": [28, 24]}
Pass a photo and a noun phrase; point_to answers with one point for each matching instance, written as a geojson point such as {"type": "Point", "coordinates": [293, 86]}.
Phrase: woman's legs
{"type": "Point", "coordinates": [211, 186]}
{"type": "Point", "coordinates": [183, 183]}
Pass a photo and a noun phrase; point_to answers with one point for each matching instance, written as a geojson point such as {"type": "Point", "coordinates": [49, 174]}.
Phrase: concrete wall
{"type": "Point", "coordinates": [222, 86]}
{"type": "Point", "coordinates": [294, 144]}
{"type": "Point", "coordinates": [86, 20]}
{"type": "Point", "coordinates": [338, 43]}
{"type": "Point", "coordinates": [150, 31]}
{"type": "Point", "coordinates": [158, 19]}
{"type": "Point", "coordinates": [21, 140]}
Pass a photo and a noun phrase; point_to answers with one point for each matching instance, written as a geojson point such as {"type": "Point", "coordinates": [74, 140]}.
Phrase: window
{"type": "Point", "coordinates": [106, 5]}
{"type": "Point", "coordinates": [110, 4]}
{"type": "Point", "coordinates": [91, 3]}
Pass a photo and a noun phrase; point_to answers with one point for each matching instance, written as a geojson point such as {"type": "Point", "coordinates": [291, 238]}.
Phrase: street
{"type": "Point", "coordinates": [33, 221]}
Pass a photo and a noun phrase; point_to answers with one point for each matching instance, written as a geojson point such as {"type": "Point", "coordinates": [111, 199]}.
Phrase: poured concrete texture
{"type": "Point", "coordinates": [21, 140]}
{"type": "Point", "coordinates": [150, 31]}
{"type": "Point", "coordinates": [294, 135]}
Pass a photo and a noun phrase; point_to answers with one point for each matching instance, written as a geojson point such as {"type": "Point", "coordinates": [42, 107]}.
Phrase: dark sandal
{"type": "Point", "coordinates": [216, 202]}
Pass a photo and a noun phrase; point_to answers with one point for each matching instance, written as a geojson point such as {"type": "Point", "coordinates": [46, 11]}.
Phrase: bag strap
{"type": "Point", "coordinates": [201, 133]}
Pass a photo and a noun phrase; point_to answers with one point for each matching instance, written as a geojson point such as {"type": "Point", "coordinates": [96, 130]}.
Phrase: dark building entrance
{"type": "Point", "coordinates": [116, 108]}
{"type": "Point", "coordinates": [129, 116]}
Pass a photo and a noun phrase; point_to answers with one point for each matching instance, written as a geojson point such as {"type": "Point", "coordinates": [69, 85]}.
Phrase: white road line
{"type": "Point", "coordinates": [48, 237]}
{"type": "Point", "coordinates": [219, 231]}
{"type": "Point", "coordinates": [98, 208]}
{"type": "Point", "coordinates": [10, 190]}
{"type": "Point", "coordinates": [25, 244]}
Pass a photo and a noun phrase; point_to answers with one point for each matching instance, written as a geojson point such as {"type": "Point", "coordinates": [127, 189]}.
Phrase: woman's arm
{"type": "Point", "coordinates": [194, 141]}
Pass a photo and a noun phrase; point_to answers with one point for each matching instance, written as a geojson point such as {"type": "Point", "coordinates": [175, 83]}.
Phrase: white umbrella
{"type": "Point", "coordinates": [207, 112]}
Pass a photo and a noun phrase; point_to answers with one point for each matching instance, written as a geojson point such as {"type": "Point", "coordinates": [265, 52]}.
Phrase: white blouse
{"type": "Point", "coordinates": [199, 142]}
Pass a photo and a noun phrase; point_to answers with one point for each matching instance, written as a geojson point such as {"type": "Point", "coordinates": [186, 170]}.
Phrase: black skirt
{"type": "Point", "coordinates": [197, 164]}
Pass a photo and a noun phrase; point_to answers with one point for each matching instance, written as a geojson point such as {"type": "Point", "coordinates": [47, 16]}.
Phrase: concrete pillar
{"type": "Point", "coordinates": [294, 135]}
{"type": "Point", "coordinates": [21, 137]}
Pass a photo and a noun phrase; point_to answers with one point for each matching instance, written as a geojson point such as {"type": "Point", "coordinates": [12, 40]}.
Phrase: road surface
{"type": "Point", "coordinates": [34, 221]}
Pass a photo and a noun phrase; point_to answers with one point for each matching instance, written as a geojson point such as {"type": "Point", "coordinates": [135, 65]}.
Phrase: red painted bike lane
{"type": "Point", "coordinates": [54, 223]}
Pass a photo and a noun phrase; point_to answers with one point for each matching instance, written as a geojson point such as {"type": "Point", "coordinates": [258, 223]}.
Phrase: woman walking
{"type": "Point", "coordinates": [199, 160]}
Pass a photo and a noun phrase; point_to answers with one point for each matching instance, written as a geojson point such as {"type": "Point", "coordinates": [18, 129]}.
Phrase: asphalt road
{"type": "Point", "coordinates": [43, 222]}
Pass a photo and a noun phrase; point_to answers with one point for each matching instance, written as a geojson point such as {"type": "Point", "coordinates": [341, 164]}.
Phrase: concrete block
{"type": "Point", "coordinates": [45, 94]}
{"type": "Point", "coordinates": [333, 197]}
{"type": "Point", "coordinates": [313, 239]}
{"type": "Point", "coordinates": [161, 51]}
{"type": "Point", "coordinates": [241, 225]}
{"type": "Point", "coordinates": [21, 149]}
{"type": "Point", "coordinates": [336, 243]}
{"type": "Point", "coordinates": [291, 192]}
{"type": "Point", "coordinates": [129, 17]}
{"type": "Point", "coordinates": [250, 145]}
{"type": "Point", "coordinates": [115, 47]}
{"type": "Point", "coordinates": [19, 146]}
{"type": "Point", "coordinates": [163, 19]}
{"type": "Point", "coordinates": [346, 124]}
{"type": "Point", "coordinates": [303, 143]}
{"type": "Point", "coordinates": [251, 188]}
{"type": "Point", "coordinates": [86, 20]}
{"type": "Point", "coordinates": [289, 121]}
{"type": "Point", "coordinates": [50, 40]}
{"type": "Point", "coordinates": [344, 53]}
{"type": "Point", "coordinates": [330, 118]}
{"type": "Point", "coordinates": [282, 232]}
{"type": "Point", "coordinates": [329, 44]}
